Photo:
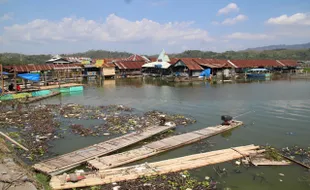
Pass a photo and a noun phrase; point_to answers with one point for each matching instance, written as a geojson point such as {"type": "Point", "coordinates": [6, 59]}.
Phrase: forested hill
{"type": "Point", "coordinates": [281, 46]}
{"type": "Point", "coordinates": [301, 54]}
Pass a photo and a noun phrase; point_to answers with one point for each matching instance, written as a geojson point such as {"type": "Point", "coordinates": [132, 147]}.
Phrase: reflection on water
{"type": "Point", "coordinates": [279, 108]}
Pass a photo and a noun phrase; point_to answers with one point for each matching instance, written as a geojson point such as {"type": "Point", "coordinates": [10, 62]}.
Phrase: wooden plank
{"type": "Point", "coordinates": [75, 158]}
{"type": "Point", "coordinates": [156, 168]}
{"type": "Point", "coordinates": [160, 146]}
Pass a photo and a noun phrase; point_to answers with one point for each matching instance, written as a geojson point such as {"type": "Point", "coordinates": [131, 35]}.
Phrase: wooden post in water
{"type": "Point", "coordinates": [2, 80]}
{"type": "Point", "coordinates": [15, 81]}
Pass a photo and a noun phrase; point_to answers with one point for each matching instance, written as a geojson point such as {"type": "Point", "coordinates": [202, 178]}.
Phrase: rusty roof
{"type": "Point", "coordinates": [191, 64]}
{"type": "Point", "coordinates": [28, 68]}
{"type": "Point", "coordinates": [68, 66]}
{"type": "Point", "coordinates": [136, 57]}
{"type": "Point", "coordinates": [255, 63]}
{"type": "Point", "coordinates": [213, 63]}
{"type": "Point", "coordinates": [288, 63]}
{"type": "Point", "coordinates": [129, 64]}
{"type": "Point", "coordinates": [173, 60]}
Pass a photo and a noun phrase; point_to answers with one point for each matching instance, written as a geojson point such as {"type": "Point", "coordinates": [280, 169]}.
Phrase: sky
{"type": "Point", "coordinates": [148, 26]}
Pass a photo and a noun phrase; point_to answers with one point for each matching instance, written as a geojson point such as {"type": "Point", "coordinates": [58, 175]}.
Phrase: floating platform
{"type": "Point", "coordinates": [38, 98]}
{"type": "Point", "coordinates": [71, 160]}
{"type": "Point", "coordinates": [156, 168]}
{"type": "Point", "coordinates": [158, 147]}
{"type": "Point", "coordinates": [67, 85]}
{"type": "Point", "coordinates": [24, 95]}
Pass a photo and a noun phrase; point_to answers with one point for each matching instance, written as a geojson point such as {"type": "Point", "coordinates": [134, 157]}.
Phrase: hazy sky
{"type": "Point", "coordinates": [147, 26]}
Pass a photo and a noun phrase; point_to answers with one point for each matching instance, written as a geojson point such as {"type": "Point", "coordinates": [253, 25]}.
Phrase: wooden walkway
{"type": "Point", "coordinates": [71, 160]}
{"type": "Point", "coordinates": [156, 168]}
{"type": "Point", "coordinates": [159, 147]}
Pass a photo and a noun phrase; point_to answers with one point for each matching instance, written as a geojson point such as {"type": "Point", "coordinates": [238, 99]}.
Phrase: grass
{"type": "Point", "coordinates": [43, 180]}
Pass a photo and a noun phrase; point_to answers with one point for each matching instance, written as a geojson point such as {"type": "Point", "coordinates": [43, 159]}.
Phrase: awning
{"type": "Point", "coordinates": [30, 76]}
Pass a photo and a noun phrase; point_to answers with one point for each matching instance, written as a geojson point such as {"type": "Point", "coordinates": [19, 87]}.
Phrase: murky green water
{"type": "Point", "coordinates": [279, 108]}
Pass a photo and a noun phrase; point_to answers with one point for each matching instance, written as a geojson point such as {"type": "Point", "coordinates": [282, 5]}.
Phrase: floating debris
{"type": "Point", "coordinates": [167, 182]}
{"type": "Point", "coordinates": [36, 126]}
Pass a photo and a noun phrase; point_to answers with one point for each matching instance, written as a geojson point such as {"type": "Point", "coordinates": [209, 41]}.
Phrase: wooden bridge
{"type": "Point", "coordinates": [159, 147]}
{"type": "Point", "coordinates": [71, 160]}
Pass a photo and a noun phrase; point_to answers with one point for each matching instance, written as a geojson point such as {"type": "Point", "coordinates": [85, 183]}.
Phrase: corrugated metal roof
{"type": "Point", "coordinates": [28, 68]}
{"type": "Point", "coordinates": [289, 63]}
{"type": "Point", "coordinates": [212, 63]}
{"type": "Point", "coordinates": [191, 64]}
{"type": "Point", "coordinates": [256, 63]}
{"type": "Point", "coordinates": [129, 64]}
{"type": "Point", "coordinates": [136, 57]}
{"type": "Point", "coordinates": [173, 60]}
{"type": "Point", "coordinates": [68, 66]}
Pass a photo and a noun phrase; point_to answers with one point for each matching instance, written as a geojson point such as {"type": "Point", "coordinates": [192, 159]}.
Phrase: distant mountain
{"type": "Point", "coordinates": [280, 47]}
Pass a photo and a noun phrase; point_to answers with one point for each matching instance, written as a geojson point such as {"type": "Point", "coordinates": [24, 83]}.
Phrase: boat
{"type": "Point", "coordinates": [258, 73]}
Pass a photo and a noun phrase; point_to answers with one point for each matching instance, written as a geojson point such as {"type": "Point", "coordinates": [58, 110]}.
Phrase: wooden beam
{"type": "Point", "coordinates": [13, 141]}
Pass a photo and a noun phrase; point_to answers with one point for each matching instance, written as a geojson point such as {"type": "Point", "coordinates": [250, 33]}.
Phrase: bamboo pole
{"type": "Point", "coordinates": [2, 80]}
{"type": "Point", "coordinates": [15, 81]}
{"type": "Point", "coordinates": [13, 141]}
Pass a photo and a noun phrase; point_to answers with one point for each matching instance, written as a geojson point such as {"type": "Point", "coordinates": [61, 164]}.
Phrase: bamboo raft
{"type": "Point", "coordinates": [71, 160]}
{"type": "Point", "coordinates": [156, 168]}
{"type": "Point", "coordinates": [160, 146]}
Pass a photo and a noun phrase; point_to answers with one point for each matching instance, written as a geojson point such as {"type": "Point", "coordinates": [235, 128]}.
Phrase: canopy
{"type": "Point", "coordinates": [162, 65]}
{"type": "Point", "coordinates": [205, 73]}
{"type": "Point", "coordinates": [30, 76]}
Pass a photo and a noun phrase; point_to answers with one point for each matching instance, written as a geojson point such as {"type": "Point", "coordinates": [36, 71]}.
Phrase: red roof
{"type": "Point", "coordinates": [191, 64]}
{"type": "Point", "coordinates": [129, 64]}
{"type": "Point", "coordinates": [212, 63]}
{"type": "Point", "coordinates": [136, 57]}
{"type": "Point", "coordinates": [288, 63]}
{"type": "Point", "coordinates": [255, 63]}
{"type": "Point", "coordinates": [28, 68]}
{"type": "Point", "coordinates": [173, 60]}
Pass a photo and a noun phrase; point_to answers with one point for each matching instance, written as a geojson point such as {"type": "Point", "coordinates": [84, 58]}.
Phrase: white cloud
{"type": "Point", "coordinates": [231, 7]}
{"type": "Point", "coordinates": [114, 29]}
{"type": "Point", "coordinates": [296, 19]}
{"type": "Point", "coordinates": [232, 21]}
{"type": "Point", "coordinates": [248, 36]}
{"type": "Point", "coordinates": [6, 16]}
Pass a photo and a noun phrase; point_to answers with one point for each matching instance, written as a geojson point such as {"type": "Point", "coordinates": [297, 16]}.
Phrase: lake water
{"type": "Point", "coordinates": [279, 117]}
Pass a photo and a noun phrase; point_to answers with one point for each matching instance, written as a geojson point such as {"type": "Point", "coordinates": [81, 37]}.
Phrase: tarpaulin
{"type": "Point", "coordinates": [4, 73]}
{"type": "Point", "coordinates": [205, 73]}
{"type": "Point", "coordinates": [30, 76]}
